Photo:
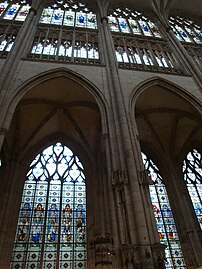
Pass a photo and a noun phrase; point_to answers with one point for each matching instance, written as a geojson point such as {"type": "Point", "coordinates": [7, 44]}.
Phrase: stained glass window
{"type": "Point", "coordinates": [164, 218]}
{"type": "Point", "coordinates": [129, 21]}
{"type": "Point", "coordinates": [186, 30]}
{"type": "Point", "coordinates": [69, 13]}
{"type": "Point", "coordinates": [51, 230]}
{"type": "Point", "coordinates": [192, 170]}
{"type": "Point", "coordinates": [17, 11]}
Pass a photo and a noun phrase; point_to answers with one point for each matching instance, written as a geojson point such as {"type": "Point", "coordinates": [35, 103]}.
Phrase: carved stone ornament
{"type": "Point", "coordinates": [145, 178]}
{"type": "Point", "coordinates": [158, 250]}
{"type": "Point", "coordinates": [119, 178]}
{"type": "Point", "coordinates": [3, 131]}
{"type": "Point", "coordinates": [130, 255]}
{"type": "Point", "coordinates": [103, 246]}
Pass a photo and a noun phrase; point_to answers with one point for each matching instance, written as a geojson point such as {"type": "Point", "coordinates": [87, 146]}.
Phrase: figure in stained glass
{"type": "Point", "coordinates": [52, 222]}
{"type": "Point", "coordinates": [38, 214]}
{"type": "Point", "coordinates": [80, 216]}
{"type": "Point", "coordinates": [53, 215]}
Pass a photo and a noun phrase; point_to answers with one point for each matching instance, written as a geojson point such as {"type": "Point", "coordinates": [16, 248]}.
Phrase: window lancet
{"type": "Point", "coordinates": [69, 13]}
{"type": "Point", "coordinates": [164, 218]}
{"type": "Point", "coordinates": [67, 31]}
{"type": "Point", "coordinates": [192, 170]}
{"type": "Point", "coordinates": [51, 230]}
{"type": "Point", "coordinates": [186, 30]}
{"type": "Point", "coordinates": [129, 21]}
{"type": "Point", "coordinates": [14, 11]}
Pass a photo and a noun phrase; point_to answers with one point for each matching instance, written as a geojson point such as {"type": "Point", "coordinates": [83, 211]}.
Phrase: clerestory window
{"type": "Point", "coordinates": [67, 31]}
{"type": "Point", "coordinates": [12, 15]}
{"type": "Point", "coordinates": [186, 30]}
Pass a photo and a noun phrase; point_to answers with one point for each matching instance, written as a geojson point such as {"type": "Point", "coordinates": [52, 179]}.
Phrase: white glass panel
{"type": "Point", "coordinates": [46, 15]}
{"type": "Point", "coordinates": [69, 18]}
{"type": "Point", "coordinates": [91, 21]}
{"type": "Point", "coordinates": [134, 26]}
{"type": "Point", "coordinates": [113, 24]}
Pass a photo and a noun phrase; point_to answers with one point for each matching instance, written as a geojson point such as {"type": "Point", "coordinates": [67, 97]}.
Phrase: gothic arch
{"type": "Point", "coordinates": [188, 108]}
{"type": "Point", "coordinates": [56, 106]}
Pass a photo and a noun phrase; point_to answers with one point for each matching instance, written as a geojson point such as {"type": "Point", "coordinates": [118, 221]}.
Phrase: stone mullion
{"type": "Point", "coordinates": [187, 225]}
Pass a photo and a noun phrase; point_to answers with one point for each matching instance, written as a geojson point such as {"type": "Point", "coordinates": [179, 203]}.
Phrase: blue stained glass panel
{"type": "Point", "coordinates": [52, 219]}
{"type": "Point", "coordinates": [166, 228]}
{"type": "Point", "coordinates": [11, 12]}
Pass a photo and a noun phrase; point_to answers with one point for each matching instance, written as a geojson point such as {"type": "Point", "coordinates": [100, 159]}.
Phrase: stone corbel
{"type": "Point", "coordinates": [104, 20]}
{"type": "Point", "coordinates": [3, 131]}
{"type": "Point", "coordinates": [145, 178]}
{"type": "Point", "coordinates": [119, 179]}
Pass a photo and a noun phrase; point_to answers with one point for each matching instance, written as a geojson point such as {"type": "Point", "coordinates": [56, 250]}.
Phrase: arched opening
{"type": "Point", "coordinates": [58, 109]}
{"type": "Point", "coordinates": [169, 124]}
{"type": "Point", "coordinates": [51, 229]}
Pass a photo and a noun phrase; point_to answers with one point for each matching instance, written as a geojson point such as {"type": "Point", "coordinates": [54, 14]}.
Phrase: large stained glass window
{"type": "Point", "coordinates": [164, 218]}
{"type": "Point", "coordinates": [51, 230]}
{"type": "Point", "coordinates": [69, 13]}
{"type": "Point", "coordinates": [17, 11]}
{"type": "Point", "coordinates": [129, 21]}
{"type": "Point", "coordinates": [186, 30]}
{"type": "Point", "coordinates": [192, 170]}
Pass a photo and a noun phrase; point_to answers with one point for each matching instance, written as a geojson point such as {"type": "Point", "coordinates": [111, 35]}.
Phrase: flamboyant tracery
{"type": "Point", "coordinates": [51, 230]}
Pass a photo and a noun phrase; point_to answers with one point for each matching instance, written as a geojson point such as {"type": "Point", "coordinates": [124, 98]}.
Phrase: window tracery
{"type": "Point", "coordinates": [71, 35]}
{"type": "Point", "coordinates": [140, 54]}
{"type": "Point", "coordinates": [133, 22]}
{"type": "Point", "coordinates": [186, 30]}
{"type": "Point", "coordinates": [164, 218]}
{"type": "Point", "coordinates": [51, 231]}
{"type": "Point", "coordinates": [15, 12]}
{"type": "Point", "coordinates": [192, 170]}
{"type": "Point", "coordinates": [10, 10]}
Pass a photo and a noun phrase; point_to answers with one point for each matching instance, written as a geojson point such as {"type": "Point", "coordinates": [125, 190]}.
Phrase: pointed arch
{"type": "Point", "coordinates": [46, 76]}
{"type": "Point", "coordinates": [51, 230]}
